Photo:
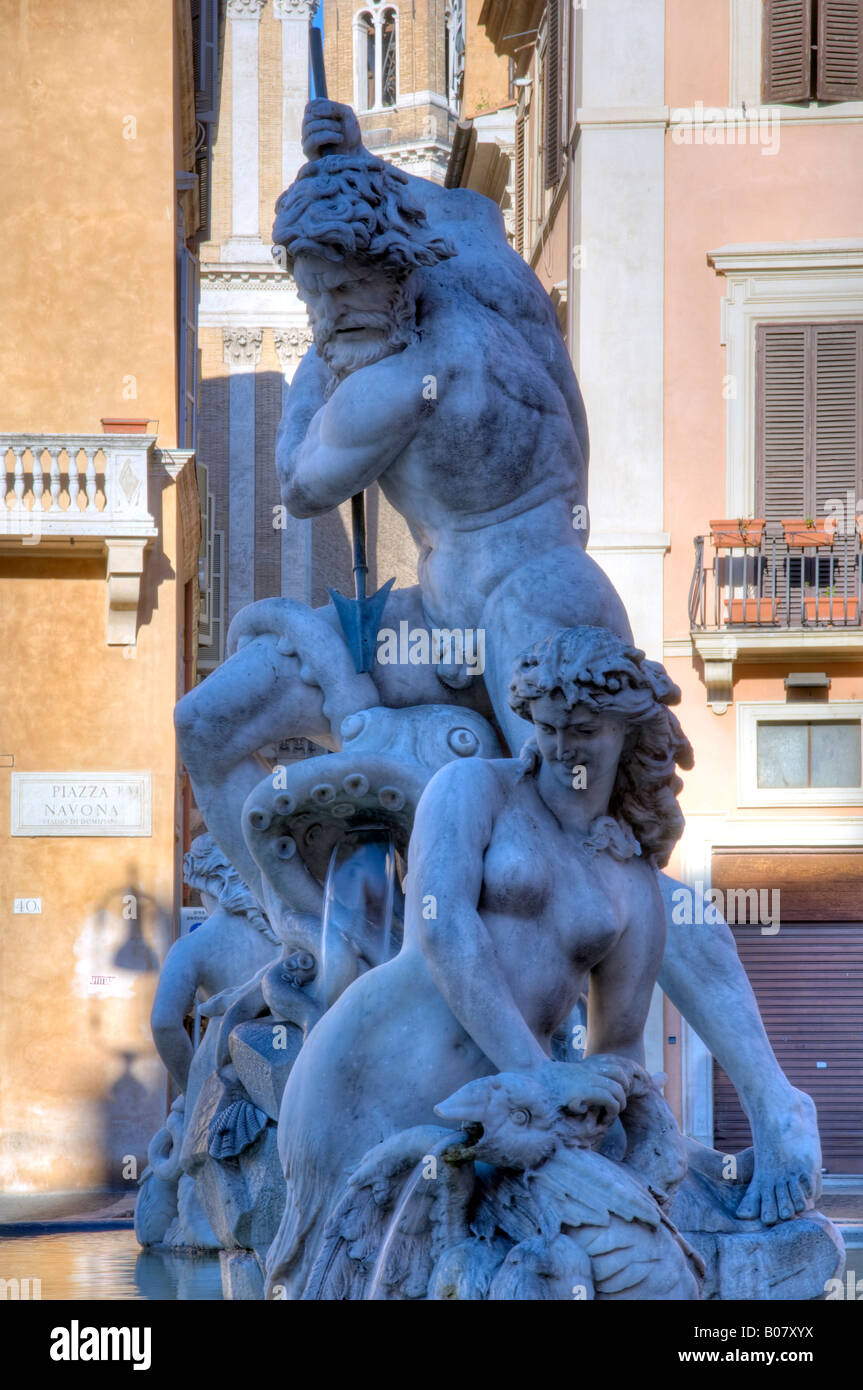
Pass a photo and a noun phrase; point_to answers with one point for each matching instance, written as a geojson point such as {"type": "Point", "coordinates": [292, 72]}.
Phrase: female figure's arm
{"type": "Point", "coordinates": [622, 983]}
{"type": "Point", "coordinates": [452, 830]}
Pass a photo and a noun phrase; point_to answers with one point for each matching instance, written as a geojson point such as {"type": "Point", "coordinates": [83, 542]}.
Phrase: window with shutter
{"type": "Point", "coordinates": [187, 424]}
{"type": "Point", "coordinates": [809, 390]}
{"type": "Point", "coordinates": [787, 50]}
{"type": "Point", "coordinates": [552, 87]}
{"type": "Point", "coordinates": [839, 65]}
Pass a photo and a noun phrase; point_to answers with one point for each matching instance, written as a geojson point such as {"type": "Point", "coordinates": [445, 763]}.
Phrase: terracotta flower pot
{"type": "Point", "coordinates": [831, 608]}
{"type": "Point", "coordinates": [797, 533]}
{"type": "Point", "coordinates": [750, 610]}
{"type": "Point", "coordinates": [732, 532]}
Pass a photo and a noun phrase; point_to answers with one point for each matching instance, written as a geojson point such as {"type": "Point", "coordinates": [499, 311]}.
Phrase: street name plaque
{"type": "Point", "coordinates": [82, 803]}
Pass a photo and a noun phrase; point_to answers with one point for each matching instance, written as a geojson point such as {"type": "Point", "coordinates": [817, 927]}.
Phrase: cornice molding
{"type": "Point", "coordinates": [747, 258]}
{"type": "Point", "coordinates": [216, 276]}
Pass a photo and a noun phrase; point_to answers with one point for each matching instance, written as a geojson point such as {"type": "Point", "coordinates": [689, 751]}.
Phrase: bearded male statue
{"type": "Point", "coordinates": [439, 370]}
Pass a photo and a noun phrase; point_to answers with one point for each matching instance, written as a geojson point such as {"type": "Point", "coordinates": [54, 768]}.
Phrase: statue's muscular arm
{"type": "Point", "coordinates": [367, 423]}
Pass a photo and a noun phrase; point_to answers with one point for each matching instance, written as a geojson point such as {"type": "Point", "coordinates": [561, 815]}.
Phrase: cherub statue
{"type": "Point", "coordinates": [233, 943]}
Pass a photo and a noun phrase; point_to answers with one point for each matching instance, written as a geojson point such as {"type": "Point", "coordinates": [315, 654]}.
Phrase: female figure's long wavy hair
{"type": "Point", "coordinates": [592, 666]}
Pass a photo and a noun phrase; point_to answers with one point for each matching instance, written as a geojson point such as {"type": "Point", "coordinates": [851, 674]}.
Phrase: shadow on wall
{"type": "Point", "coordinates": [131, 932]}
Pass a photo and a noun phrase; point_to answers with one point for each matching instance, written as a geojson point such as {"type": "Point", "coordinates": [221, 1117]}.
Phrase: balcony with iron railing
{"type": "Point", "coordinates": [762, 592]}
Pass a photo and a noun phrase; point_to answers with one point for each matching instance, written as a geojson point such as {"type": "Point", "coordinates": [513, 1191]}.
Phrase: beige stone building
{"type": "Point", "coordinates": [107, 113]}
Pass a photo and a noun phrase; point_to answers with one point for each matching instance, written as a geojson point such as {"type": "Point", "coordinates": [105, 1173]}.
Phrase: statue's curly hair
{"type": "Point", "coordinates": [206, 868]}
{"type": "Point", "coordinates": [356, 205]}
{"type": "Point", "coordinates": [594, 667]}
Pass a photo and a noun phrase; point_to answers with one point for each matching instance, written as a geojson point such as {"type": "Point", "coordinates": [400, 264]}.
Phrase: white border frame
{"type": "Point", "coordinates": [750, 715]}
{"type": "Point", "coordinates": [799, 282]}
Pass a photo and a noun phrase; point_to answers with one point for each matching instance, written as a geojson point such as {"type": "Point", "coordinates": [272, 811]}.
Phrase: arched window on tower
{"type": "Point", "coordinates": [389, 56]}
{"type": "Point", "coordinates": [376, 58]}
{"type": "Point", "coordinates": [364, 61]}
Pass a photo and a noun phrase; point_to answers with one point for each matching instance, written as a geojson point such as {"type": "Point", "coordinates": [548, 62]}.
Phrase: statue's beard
{"type": "Point", "coordinates": [389, 333]}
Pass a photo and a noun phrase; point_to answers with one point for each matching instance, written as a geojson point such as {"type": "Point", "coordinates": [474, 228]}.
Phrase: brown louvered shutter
{"type": "Point", "coordinates": [809, 417]}
{"type": "Point", "coordinates": [782, 479]}
{"type": "Point", "coordinates": [837, 444]}
{"type": "Point", "coordinates": [518, 180]}
{"type": "Point", "coordinates": [552, 143]}
{"type": "Point", "coordinates": [786, 63]}
{"type": "Point", "coordinates": [839, 67]}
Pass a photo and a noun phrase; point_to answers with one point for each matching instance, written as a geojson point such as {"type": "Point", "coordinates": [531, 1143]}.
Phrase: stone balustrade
{"type": "Point", "coordinates": [65, 492]}
{"type": "Point", "coordinates": [75, 486]}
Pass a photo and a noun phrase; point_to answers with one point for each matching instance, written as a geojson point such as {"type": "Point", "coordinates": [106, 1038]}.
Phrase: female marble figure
{"type": "Point", "coordinates": [528, 880]}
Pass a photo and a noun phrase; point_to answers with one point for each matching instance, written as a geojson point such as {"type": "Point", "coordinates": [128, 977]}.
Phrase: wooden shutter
{"type": "Point", "coordinates": [839, 67]}
{"type": "Point", "coordinates": [519, 181]}
{"type": "Point", "coordinates": [552, 88]}
{"type": "Point", "coordinates": [809, 447]}
{"type": "Point", "coordinates": [782, 480]}
{"type": "Point", "coordinates": [187, 425]}
{"type": "Point", "coordinates": [786, 65]}
{"type": "Point", "coordinates": [837, 443]}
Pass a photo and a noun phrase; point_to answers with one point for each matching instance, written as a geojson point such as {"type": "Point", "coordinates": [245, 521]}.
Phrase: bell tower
{"type": "Point", "coordinates": [400, 64]}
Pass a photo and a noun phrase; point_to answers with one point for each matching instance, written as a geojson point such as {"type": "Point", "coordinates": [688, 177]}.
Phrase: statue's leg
{"type": "Point", "coordinates": [559, 588]}
{"type": "Point", "coordinates": [703, 977]}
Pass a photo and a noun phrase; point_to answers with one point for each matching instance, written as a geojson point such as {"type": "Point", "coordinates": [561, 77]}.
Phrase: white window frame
{"type": "Point", "coordinates": [802, 282]}
{"type": "Point", "coordinates": [376, 13]}
{"type": "Point", "coordinates": [746, 33]}
{"type": "Point", "coordinates": [750, 715]}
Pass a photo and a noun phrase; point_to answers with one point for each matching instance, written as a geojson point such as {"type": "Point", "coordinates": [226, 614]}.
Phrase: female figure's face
{"type": "Point", "coordinates": [576, 739]}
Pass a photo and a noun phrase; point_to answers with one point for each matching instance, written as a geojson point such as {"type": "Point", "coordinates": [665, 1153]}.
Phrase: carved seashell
{"type": "Point", "coordinates": [260, 820]}
{"type": "Point", "coordinates": [391, 798]}
{"type": "Point", "coordinates": [233, 1129]}
{"type": "Point", "coordinates": [355, 784]}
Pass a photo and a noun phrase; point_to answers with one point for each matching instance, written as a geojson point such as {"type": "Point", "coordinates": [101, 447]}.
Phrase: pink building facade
{"type": "Point", "coordinates": [688, 187]}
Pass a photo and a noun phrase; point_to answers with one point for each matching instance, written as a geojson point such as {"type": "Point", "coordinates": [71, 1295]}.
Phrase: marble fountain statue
{"type": "Point", "coordinates": [432, 948]}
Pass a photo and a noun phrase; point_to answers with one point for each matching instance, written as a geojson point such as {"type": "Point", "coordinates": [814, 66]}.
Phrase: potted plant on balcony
{"type": "Point", "coordinates": [830, 607]}
{"type": "Point", "coordinates": [755, 612]}
{"type": "Point", "coordinates": [807, 532]}
{"type": "Point", "coordinates": [742, 530]}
